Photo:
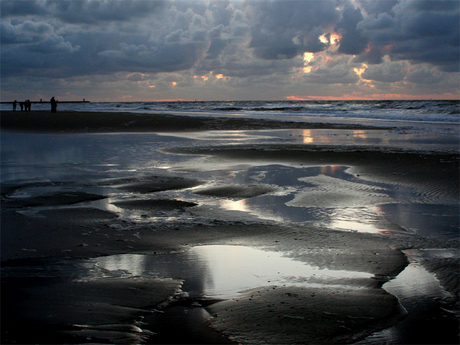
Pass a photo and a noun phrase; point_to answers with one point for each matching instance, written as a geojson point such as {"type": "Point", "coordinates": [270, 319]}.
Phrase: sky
{"type": "Point", "coordinates": [130, 50]}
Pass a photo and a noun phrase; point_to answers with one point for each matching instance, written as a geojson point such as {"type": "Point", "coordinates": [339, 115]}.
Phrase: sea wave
{"type": "Point", "coordinates": [447, 111]}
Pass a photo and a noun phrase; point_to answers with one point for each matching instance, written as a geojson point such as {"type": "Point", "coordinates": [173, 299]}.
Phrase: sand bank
{"type": "Point", "coordinates": [87, 122]}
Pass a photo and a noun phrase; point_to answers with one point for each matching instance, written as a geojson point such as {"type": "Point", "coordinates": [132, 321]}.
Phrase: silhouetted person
{"type": "Point", "coordinates": [21, 104]}
{"type": "Point", "coordinates": [53, 105]}
{"type": "Point", "coordinates": [28, 105]}
{"type": "Point", "coordinates": [14, 105]}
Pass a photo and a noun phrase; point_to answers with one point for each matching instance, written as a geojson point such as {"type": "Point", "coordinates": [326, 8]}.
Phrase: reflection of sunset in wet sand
{"type": "Point", "coordinates": [239, 205]}
{"type": "Point", "coordinates": [360, 134]}
{"type": "Point", "coordinates": [307, 138]}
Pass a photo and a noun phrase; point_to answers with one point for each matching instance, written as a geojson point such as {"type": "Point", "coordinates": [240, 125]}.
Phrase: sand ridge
{"type": "Point", "coordinates": [110, 122]}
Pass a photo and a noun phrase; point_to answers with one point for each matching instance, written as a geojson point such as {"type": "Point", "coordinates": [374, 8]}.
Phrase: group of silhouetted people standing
{"type": "Point", "coordinates": [27, 105]}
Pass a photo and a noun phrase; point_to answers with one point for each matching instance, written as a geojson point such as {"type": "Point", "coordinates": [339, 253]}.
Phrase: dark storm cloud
{"type": "Point", "coordinates": [280, 46]}
{"type": "Point", "coordinates": [353, 40]}
{"type": "Point", "coordinates": [338, 74]}
{"type": "Point", "coordinates": [424, 76]}
{"type": "Point", "coordinates": [418, 31]}
{"type": "Point", "coordinates": [377, 6]}
{"type": "Point", "coordinates": [163, 58]}
{"type": "Point", "coordinates": [82, 11]}
{"type": "Point", "coordinates": [26, 32]}
{"type": "Point", "coordinates": [216, 48]}
{"type": "Point", "coordinates": [373, 56]}
{"type": "Point", "coordinates": [44, 46]}
{"type": "Point", "coordinates": [253, 40]}
{"type": "Point", "coordinates": [286, 29]}
{"type": "Point", "coordinates": [241, 69]}
{"type": "Point", "coordinates": [217, 43]}
{"type": "Point", "coordinates": [386, 72]}
{"type": "Point", "coordinates": [221, 11]}
{"type": "Point", "coordinates": [10, 8]}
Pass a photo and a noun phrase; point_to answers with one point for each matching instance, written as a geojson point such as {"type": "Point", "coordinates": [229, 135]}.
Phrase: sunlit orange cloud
{"type": "Point", "coordinates": [388, 96]}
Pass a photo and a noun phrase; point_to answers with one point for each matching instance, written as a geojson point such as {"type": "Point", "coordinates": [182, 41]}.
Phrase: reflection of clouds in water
{"type": "Point", "coordinates": [425, 219]}
{"type": "Point", "coordinates": [415, 281]}
{"type": "Point", "coordinates": [244, 206]}
{"type": "Point", "coordinates": [235, 268]}
{"type": "Point", "coordinates": [80, 156]}
{"type": "Point", "coordinates": [337, 137]}
{"type": "Point", "coordinates": [361, 219]}
{"type": "Point", "coordinates": [124, 264]}
{"type": "Point", "coordinates": [328, 191]}
{"type": "Point", "coordinates": [231, 205]}
{"type": "Point", "coordinates": [224, 270]}
{"type": "Point", "coordinates": [230, 135]}
{"type": "Point", "coordinates": [352, 205]}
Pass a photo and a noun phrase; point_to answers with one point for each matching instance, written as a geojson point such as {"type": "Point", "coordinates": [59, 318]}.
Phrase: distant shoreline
{"type": "Point", "coordinates": [44, 102]}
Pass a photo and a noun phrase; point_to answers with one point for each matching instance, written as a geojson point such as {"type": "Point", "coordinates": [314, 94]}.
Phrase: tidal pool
{"type": "Point", "coordinates": [222, 271]}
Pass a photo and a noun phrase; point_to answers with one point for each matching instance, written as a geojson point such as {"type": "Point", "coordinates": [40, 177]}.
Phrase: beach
{"type": "Point", "coordinates": [113, 225]}
{"type": "Point", "coordinates": [75, 122]}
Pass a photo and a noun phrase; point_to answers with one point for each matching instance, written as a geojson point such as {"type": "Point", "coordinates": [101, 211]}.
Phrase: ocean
{"type": "Point", "coordinates": [432, 111]}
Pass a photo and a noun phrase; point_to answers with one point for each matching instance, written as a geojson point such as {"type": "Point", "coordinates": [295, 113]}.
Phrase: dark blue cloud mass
{"type": "Point", "coordinates": [417, 30]}
{"type": "Point", "coordinates": [58, 39]}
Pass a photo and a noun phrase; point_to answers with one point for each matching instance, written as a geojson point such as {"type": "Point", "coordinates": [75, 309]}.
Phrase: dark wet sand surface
{"type": "Point", "coordinates": [38, 121]}
{"type": "Point", "coordinates": [76, 273]}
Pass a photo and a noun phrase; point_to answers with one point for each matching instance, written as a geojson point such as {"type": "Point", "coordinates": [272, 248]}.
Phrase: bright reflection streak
{"type": "Point", "coordinates": [239, 205]}
{"type": "Point", "coordinates": [307, 136]}
{"type": "Point", "coordinates": [127, 264]}
{"type": "Point", "coordinates": [224, 270]}
{"type": "Point", "coordinates": [236, 268]}
{"type": "Point", "coordinates": [415, 281]}
{"type": "Point", "coordinates": [360, 134]}
{"type": "Point", "coordinates": [331, 169]}
{"type": "Point", "coordinates": [353, 225]}
{"type": "Point", "coordinates": [234, 135]}
{"type": "Point", "coordinates": [242, 206]}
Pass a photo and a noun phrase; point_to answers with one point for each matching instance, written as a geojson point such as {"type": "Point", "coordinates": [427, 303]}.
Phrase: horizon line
{"type": "Point", "coordinates": [286, 99]}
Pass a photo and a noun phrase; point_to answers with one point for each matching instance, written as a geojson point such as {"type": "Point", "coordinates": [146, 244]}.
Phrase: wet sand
{"type": "Point", "coordinates": [78, 122]}
{"type": "Point", "coordinates": [39, 239]}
